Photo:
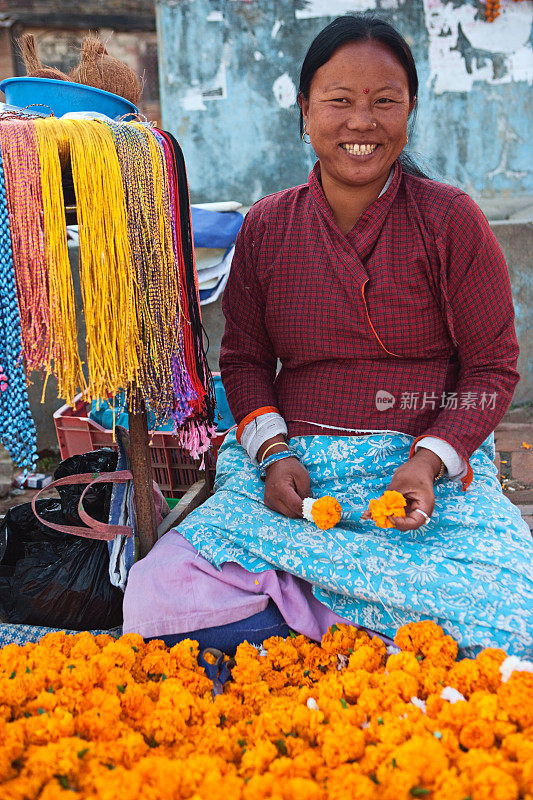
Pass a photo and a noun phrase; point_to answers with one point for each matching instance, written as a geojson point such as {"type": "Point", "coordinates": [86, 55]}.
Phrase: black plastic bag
{"type": "Point", "coordinates": [56, 579]}
{"type": "Point", "coordinates": [97, 500]}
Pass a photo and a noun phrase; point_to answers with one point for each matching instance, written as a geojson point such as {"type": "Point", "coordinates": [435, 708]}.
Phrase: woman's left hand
{"type": "Point", "coordinates": [414, 479]}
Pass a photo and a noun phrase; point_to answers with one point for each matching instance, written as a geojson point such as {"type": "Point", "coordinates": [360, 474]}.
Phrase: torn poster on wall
{"type": "Point", "coordinates": [464, 48]}
{"type": "Point", "coordinates": [332, 8]}
{"type": "Point", "coordinates": [193, 98]}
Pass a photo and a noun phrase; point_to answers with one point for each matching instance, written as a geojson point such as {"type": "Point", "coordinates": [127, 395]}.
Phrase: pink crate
{"type": "Point", "coordinates": [173, 468]}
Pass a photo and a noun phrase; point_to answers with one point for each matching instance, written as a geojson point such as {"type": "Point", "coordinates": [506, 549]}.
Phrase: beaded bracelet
{"type": "Point", "coordinates": [441, 471]}
{"type": "Point", "coordinates": [272, 460]}
{"type": "Point", "coordinates": [270, 446]}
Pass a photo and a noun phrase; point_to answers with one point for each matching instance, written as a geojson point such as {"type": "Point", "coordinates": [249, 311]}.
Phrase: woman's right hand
{"type": "Point", "coordinates": [287, 484]}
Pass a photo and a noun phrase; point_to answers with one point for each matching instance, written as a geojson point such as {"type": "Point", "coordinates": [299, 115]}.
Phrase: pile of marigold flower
{"type": "Point", "coordinates": [100, 718]}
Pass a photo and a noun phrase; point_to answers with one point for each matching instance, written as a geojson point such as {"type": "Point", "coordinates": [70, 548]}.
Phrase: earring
{"type": "Point", "coordinates": [304, 134]}
{"type": "Point", "coordinates": [374, 124]}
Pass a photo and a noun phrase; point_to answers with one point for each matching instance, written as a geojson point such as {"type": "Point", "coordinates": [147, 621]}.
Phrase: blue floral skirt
{"type": "Point", "coordinates": [469, 569]}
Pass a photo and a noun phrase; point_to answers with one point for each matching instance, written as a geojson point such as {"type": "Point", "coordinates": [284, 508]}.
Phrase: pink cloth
{"type": "Point", "coordinates": [175, 590]}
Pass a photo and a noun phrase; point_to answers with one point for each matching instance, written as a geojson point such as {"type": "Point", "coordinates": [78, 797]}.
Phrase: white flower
{"type": "Point", "coordinates": [451, 695]}
{"type": "Point", "coordinates": [514, 664]}
{"type": "Point", "coordinates": [307, 506]}
{"type": "Point", "coordinates": [421, 704]}
{"type": "Point", "coordinates": [312, 704]}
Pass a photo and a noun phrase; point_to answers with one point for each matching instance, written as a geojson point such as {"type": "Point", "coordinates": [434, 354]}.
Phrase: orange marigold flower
{"type": "Point", "coordinates": [156, 662]}
{"type": "Point", "coordinates": [366, 657]}
{"type": "Point", "coordinates": [493, 783]}
{"type": "Point", "coordinates": [489, 661]}
{"type": "Point", "coordinates": [341, 743]}
{"type": "Point", "coordinates": [450, 786]}
{"type": "Point", "coordinates": [466, 676]}
{"type": "Point", "coordinates": [257, 759]}
{"type": "Point", "coordinates": [477, 733]}
{"type": "Point", "coordinates": [406, 662]}
{"type": "Point", "coordinates": [390, 504]}
{"type": "Point", "coordinates": [347, 783]}
{"type": "Point", "coordinates": [516, 698]}
{"type": "Point", "coordinates": [422, 757]}
{"type": "Point", "coordinates": [399, 684]}
{"type": "Point", "coordinates": [518, 747]}
{"type": "Point", "coordinates": [427, 639]}
{"type": "Point", "coordinates": [325, 512]}
{"type": "Point", "coordinates": [342, 638]}
{"type": "Point", "coordinates": [105, 718]}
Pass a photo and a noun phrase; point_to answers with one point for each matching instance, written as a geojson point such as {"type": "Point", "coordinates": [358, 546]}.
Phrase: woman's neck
{"type": "Point", "coordinates": [349, 202]}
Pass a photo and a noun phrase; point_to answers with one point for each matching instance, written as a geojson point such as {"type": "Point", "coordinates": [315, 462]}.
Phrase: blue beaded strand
{"type": "Point", "coordinates": [263, 466]}
{"type": "Point", "coordinates": [17, 429]}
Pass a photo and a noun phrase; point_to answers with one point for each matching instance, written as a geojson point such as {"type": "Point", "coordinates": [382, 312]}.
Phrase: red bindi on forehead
{"type": "Point", "coordinates": [366, 91]}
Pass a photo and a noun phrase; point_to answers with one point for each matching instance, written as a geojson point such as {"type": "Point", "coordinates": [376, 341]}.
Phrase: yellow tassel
{"type": "Point", "coordinates": [106, 267]}
{"type": "Point", "coordinates": [63, 360]}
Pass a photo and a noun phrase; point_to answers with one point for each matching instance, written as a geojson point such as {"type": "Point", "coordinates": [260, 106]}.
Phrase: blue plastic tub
{"type": "Point", "coordinates": [63, 96]}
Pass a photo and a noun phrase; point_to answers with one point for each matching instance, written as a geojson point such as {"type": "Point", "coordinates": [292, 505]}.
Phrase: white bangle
{"type": "Point", "coordinates": [259, 430]}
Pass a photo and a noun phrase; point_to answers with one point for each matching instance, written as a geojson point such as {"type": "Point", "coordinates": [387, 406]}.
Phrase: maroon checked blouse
{"type": "Point", "coordinates": [414, 303]}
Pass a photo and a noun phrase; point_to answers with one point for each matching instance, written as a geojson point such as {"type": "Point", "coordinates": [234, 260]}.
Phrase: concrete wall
{"type": "Point", "coordinates": [516, 240]}
{"type": "Point", "coordinates": [229, 72]}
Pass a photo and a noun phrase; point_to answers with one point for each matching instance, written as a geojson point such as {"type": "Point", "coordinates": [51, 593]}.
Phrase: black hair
{"type": "Point", "coordinates": [357, 28]}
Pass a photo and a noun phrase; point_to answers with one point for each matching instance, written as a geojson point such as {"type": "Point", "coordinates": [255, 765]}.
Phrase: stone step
{"type": "Point", "coordinates": [509, 437]}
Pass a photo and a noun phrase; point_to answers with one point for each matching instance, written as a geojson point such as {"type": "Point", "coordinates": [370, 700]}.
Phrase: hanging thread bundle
{"type": "Point", "coordinates": [24, 202]}
{"type": "Point", "coordinates": [138, 284]}
{"type": "Point", "coordinates": [65, 361]}
{"type": "Point", "coordinates": [106, 269]}
{"type": "Point", "coordinates": [17, 429]}
{"type": "Point", "coordinates": [193, 437]}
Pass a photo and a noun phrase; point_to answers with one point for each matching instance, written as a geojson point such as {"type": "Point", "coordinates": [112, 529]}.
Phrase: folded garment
{"type": "Point", "coordinates": [215, 228]}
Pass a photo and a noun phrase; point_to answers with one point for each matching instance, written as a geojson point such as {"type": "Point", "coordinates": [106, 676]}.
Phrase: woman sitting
{"type": "Point", "coordinates": [386, 298]}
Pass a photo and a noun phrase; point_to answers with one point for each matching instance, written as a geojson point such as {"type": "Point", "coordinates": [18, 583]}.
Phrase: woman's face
{"type": "Point", "coordinates": [357, 112]}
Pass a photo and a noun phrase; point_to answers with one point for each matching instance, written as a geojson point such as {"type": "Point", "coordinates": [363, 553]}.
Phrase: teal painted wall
{"type": "Point", "coordinates": [229, 71]}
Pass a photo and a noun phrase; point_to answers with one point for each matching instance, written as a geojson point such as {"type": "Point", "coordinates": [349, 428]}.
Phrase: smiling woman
{"type": "Point", "coordinates": [358, 87]}
{"type": "Point", "coordinates": [357, 130]}
{"type": "Point", "coordinates": [370, 282]}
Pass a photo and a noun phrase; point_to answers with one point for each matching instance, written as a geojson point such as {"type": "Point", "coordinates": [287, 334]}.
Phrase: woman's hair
{"type": "Point", "coordinates": [358, 28]}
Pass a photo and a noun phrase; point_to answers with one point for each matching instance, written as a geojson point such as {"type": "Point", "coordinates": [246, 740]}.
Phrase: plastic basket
{"type": "Point", "coordinates": [64, 96]}
{"type": "Point", "coordinates": [173, 468]}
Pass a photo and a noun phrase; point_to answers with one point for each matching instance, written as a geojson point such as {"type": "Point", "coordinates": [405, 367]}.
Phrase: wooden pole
{"type": "Point", "coordinates": [141, 467]}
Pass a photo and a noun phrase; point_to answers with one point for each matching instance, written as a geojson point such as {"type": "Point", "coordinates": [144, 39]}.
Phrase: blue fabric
{"type": "Point", "coordinates": [103, 411]}
{"type": "Point", "coordinates": [22, 634]}
{"type": "Point", "coordinates": [254, 629]}
{"type": "Point", "coordinates": [216, 229]}
{"type": "Point", "coordinates": [121, 548]}
{"type": "Point", "coordinates": [469, 569]}
{"type": "Point", "coordinates": [226, 421]}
